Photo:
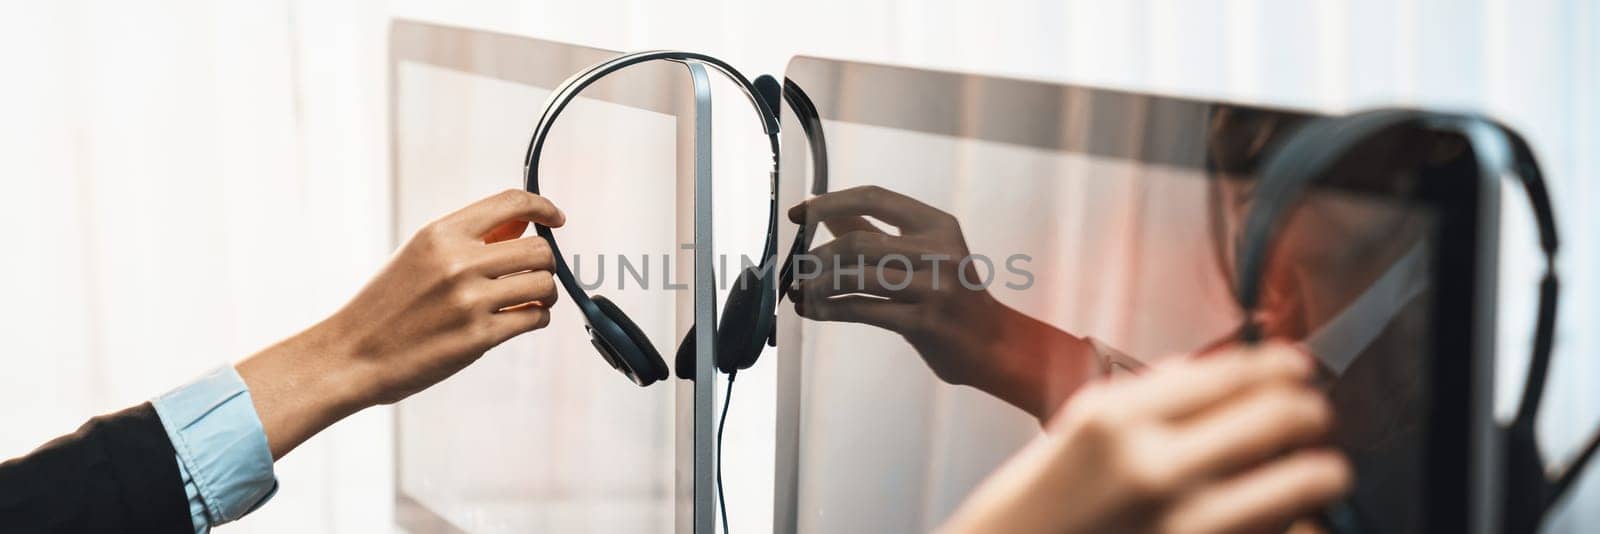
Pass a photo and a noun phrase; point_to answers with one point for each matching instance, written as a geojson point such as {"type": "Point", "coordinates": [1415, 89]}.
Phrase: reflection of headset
{"type": "Point", "coordinates": [1311, 153]}
{"type": "Point", "coordinates": [747, 318]}
{"type": "Point", "coordinates": [811, 124]}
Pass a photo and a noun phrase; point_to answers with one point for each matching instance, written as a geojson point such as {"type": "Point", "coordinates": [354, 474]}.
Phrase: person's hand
{"type": "Point", "coordinates": [463, 284]}
{"type": "Point", "coordinates": [923, 283]}
{"type": "Point", "coordinates": [1226, 443]}
{"type": "Point", "coordinates": [915, 283]}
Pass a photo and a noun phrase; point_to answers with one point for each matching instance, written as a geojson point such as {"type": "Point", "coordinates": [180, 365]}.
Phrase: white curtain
{"type": "Point", "coordinates": [183, 187]}
{"type": "Point", "coordinates": [187, 181]}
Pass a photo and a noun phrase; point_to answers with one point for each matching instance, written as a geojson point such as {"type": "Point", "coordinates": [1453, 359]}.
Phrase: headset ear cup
{"type": "Point", "coordinates": [635, 351]}
{"type": "Point", "coordinates": [683, 362]}
{"type": "Point", "coordinates": [743, 329]}
{"type": "Point", "coordinates": [746, 320]}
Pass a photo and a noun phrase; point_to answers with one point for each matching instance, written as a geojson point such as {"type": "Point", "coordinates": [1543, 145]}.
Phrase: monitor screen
{"type": "Point", "coordinates": [541, 434]}
{"type": "Point", "coordinates": [1011, 241]}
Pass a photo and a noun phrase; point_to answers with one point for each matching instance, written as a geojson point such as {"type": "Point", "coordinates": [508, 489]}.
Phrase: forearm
{"type": "Point", "coordinates": [1035, 366]}
{"type": "Point", "coordinates": [302, 385]}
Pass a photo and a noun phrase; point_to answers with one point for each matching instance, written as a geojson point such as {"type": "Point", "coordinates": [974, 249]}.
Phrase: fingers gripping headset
{"type": "Point", "coordinates": [748, 317]}
{"type": "Point", "coordinates": [1311, 153]}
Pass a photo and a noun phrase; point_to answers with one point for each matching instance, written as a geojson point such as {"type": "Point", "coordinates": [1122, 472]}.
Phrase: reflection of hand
{"type": "Point", "coordinates": [1226, 443]}
{"type": "Point", "coordinates": [461, 285]}
{"type": "Point", "coordinates": [915, 283]}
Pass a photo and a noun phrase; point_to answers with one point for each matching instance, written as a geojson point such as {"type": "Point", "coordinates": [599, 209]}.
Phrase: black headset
{"type": "Point", "coordinates": [811, 123]}
{"type": "Point", "coordinates": [1309, 154]}
{"type": "Point", "coordinates": [748, 317]}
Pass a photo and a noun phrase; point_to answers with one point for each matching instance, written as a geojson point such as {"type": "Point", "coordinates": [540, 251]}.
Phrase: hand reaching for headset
{"type": "Point", "coordinates": [911, 283]}
{"type": "Point", "coordinates": [1226, 443]}
{"type": "Point", "coordinates": [916, 283]}
{"type": "Point", "coordinates": [463, 284]}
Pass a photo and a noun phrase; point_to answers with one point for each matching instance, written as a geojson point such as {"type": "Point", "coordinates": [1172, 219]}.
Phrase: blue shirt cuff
{"type": "Point", "coordinates": [222, 450]}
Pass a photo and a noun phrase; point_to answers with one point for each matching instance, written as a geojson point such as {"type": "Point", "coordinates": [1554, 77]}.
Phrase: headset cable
{"type": "Point", "coordinates": [722, 423]}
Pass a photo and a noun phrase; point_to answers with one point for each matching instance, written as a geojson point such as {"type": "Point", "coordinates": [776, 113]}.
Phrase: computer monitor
{"type": "Point", "coordinates": [541, 434]}
{"type": "Point", "coordinates": [1076, 224]}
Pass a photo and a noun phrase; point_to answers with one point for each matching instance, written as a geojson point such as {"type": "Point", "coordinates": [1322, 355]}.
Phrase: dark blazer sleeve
{"type": "Point", "coordinates": [116, 473]}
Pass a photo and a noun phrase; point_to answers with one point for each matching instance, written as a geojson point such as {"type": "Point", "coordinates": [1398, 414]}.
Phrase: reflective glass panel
{"type": "Point", "coordinates": [542, 434]}
{"type": "Point", "coordinates": [988, 246]}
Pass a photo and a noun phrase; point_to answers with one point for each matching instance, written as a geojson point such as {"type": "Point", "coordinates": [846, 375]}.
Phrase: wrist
{"type": "Point", "coordinates": [1038, 365]}
{"type": "Point", "coordinates": [301, 385]}
{"type": "Point", "coordinates": [346, 368]}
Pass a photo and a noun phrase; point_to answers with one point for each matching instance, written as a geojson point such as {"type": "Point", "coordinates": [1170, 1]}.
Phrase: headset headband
{"type": "Point", "coordinates": [811, 123]}
{"type": "Point", "coordinates": [1307, 157]}
{"type": "Point", "coordinates": [573, 86]}
{"type": "Point", "coordinates": [1311, 153]}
